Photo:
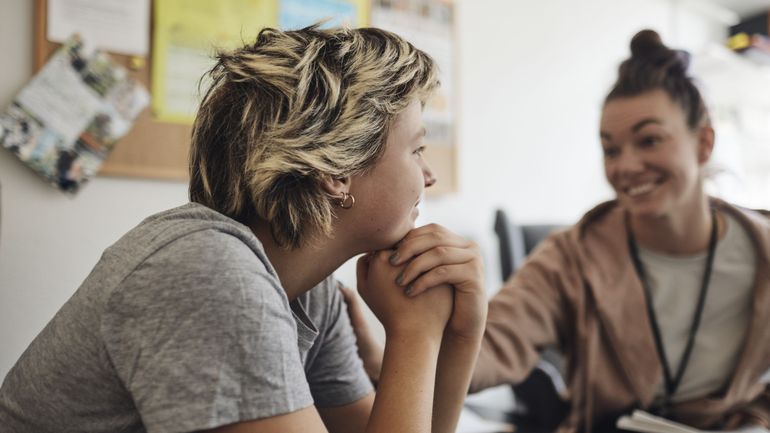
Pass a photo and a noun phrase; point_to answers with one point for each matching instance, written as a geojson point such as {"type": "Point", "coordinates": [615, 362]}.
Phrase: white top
{"type": "Point", "coordinates": [675, 283]}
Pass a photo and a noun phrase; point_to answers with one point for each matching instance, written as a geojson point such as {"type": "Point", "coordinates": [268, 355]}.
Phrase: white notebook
{"type": "Point", "coordinates": [641, 421]}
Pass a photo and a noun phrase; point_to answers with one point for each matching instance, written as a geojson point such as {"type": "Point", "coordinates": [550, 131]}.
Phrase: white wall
{"type": "Point", "coordinates": [49, 242]}
{"type": "Point", "coordinates": [532, 78]}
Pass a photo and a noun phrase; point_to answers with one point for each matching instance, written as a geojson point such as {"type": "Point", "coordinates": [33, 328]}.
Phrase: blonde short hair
{"type": "Point", "coordinates": [292, 108]}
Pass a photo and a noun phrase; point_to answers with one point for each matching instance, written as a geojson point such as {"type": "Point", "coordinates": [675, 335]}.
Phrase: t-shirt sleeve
{"type": "Point", "coordinates": [337, 375]}
{"type": "Point", "coordinates": [202, 336]}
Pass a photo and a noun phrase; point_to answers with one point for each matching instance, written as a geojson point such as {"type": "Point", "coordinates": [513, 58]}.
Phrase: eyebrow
{"type": "Point", "coordinates": [644, 122]}
{"type": "Point", "coordinates": [637, 126]}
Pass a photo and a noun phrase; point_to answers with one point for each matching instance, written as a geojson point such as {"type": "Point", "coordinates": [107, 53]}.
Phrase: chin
{"type": "Point", "coordinates": [647, 209]}
{"type": "Point", "coordinates": [389, 240]}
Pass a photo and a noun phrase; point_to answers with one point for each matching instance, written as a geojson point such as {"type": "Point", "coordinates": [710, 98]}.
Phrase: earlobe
{"type": "Point", "coordinates": [705, 144]}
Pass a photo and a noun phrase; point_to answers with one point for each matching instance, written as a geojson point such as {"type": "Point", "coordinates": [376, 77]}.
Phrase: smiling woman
{"type": "Point", "coordinates": [654, 160]}
{"type": "Point", "coordinates": [657, 298]}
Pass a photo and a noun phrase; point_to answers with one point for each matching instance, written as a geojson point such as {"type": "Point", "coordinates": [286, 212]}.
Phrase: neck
{"type": "Point", "coordinates": [686, 233]}
{"type": "Point", "coordinates": [301, 269]}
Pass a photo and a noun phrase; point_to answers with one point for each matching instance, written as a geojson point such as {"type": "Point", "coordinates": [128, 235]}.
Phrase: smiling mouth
{"type": "Point", "coordinates": [642, 188]}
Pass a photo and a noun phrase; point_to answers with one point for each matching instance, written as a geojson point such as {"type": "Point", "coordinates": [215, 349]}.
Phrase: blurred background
{"type": "Point", "coordinates": [528, 79]}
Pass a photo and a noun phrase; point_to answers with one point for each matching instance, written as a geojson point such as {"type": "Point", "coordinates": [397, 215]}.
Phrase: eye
{"type": "Point", "coordinates": [419, 151]}
{"type": "Point", "coordinates": [649, 141]}
{"type": "Point", "coordinates": [610, 151]}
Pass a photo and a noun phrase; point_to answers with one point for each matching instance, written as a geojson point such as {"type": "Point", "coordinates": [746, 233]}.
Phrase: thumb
{"type": "Point", "coordinates": [362, 271]}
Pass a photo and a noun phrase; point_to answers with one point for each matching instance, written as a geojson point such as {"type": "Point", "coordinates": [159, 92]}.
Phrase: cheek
{"type": "Point", "coordinates": [408, 182]}
{"type": "Point", "coordinates": [609, 171]}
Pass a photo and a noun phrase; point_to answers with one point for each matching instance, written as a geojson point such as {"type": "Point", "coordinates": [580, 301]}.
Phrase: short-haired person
{"type": "Point", "coordinates": [659, 299]}
{"type": "Point", "coordinates": [222, 314]}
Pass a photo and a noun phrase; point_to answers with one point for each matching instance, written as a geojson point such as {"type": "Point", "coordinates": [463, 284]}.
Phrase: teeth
{"type": "Point", "coordinates": [641, 189]}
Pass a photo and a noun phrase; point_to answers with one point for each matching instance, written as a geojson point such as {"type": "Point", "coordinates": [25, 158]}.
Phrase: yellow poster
{"type": "Point", "coordinates": [187, 33]}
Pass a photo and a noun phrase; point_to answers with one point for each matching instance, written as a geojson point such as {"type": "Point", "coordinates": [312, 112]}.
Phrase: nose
{"type": "Point", "coordinates": [430, 178]}
{"type": "Point", "coordinates": [628, 162]}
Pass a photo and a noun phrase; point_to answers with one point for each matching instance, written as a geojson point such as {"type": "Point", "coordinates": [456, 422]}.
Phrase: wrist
{"type": "Point", "coordinates": [469, 327]}
{"type": "Point", "coordinates": [463, 339]}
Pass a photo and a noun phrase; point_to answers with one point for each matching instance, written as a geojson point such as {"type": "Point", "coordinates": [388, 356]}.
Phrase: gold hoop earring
{"type": "Point", "coordinates": [346, 201]}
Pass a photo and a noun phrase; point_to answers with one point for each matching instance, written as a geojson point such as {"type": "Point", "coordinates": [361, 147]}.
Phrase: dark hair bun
{"type": "Point", "coordinates": [645, 43]}
{"type": "Point", "coordinates": [647, 47]}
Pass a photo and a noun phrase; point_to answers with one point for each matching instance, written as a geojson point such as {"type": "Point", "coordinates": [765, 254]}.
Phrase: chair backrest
{"type": "Point", "coordinates": [517, 241]}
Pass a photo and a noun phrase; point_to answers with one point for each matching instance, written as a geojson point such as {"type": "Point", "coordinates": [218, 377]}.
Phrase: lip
{"type": "Point", "coordinates": [642, 188]}
{"type": "Point", "coordinates": [639, 190]}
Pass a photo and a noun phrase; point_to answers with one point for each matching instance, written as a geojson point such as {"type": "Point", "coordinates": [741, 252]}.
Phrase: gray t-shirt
{"type": "Point", "coordinates": [183, 325]}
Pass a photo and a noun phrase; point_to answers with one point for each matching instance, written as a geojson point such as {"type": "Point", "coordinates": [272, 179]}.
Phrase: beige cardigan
{"type": "Point", "coordinates": [579, 291]}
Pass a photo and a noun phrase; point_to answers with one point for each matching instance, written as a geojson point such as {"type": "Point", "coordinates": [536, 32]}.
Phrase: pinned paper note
{"type": "Point", "coordinates": [67, 119]}
{"type": "Point", "coordinates": [117, 26]}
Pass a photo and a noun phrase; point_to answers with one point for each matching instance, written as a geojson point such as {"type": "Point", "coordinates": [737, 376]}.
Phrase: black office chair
{"type": "Point", "coordinates": [517, 241]}
{"type": "Point", "coordinates": [544, 407]}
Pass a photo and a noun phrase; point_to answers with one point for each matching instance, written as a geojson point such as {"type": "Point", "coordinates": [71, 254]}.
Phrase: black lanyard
{"type": "Point", "coordinates": [672, 382]}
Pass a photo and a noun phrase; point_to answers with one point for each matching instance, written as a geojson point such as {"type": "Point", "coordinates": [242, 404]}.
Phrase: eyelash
{"type": "Point", "coordinates": [650, 140]}
{"type": "Point", "coordinates": [646, 141]}
{"type": "Point", "coordinates": [419, 150]}
{"type": "Point", "coordinates": [610, 152]}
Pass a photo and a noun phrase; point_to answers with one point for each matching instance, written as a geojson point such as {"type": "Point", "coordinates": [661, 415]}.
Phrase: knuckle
{"type": "Point", "coordinates": [406, 272]}
{"type": "Point", "coordinates": [417, 287]}
{"type": "Point", "coordinates": [382, 255]}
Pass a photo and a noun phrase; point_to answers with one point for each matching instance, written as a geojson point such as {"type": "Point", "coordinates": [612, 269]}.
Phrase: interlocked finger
{"type": "Point", "coordinates": [445, 274]}
{"type": "Point", "coordinates": [421, 240]}
{"type": "Point", "coordinates": [437, 256]}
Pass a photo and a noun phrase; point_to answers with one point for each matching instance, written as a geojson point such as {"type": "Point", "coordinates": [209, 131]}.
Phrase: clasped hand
{"type": "Point", "coordinates": [432, 281]}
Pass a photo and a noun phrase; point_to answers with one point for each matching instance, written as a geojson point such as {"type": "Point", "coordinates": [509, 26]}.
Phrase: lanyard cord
{"type": "Point", "coordinates": [672, 383]}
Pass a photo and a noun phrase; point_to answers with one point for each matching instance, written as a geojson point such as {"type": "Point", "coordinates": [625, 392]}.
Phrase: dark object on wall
{"type": "Point", "coordinates": [544, 407]}
{"type": "Point", "coordinates": [757, 24]}
{"type": "Point", "coordinates": [751, 37]}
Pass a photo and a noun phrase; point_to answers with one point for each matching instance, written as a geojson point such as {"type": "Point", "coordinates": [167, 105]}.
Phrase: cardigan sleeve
{"type": "Point", "coordinates": [529, 313]}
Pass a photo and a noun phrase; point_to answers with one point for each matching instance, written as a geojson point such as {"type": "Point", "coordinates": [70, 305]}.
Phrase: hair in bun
{"type": "Point", "coordinates": [654, 66]}
{"type": "Point", "coordinates": [645, 42]}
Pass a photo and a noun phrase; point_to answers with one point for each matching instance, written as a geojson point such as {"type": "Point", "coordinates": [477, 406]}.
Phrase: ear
{"type": "Point", "coordinates": [335, 186]}
{"type": "Point", "coordinates": [705, 144]}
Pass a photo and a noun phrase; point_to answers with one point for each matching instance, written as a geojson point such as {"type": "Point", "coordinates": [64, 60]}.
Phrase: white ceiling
{"type": "Point", "coordinates": [744, 8]}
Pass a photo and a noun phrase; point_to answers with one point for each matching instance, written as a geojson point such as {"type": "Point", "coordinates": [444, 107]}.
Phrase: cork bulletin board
{"type": "Point", "coordinates": [157, 149]}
